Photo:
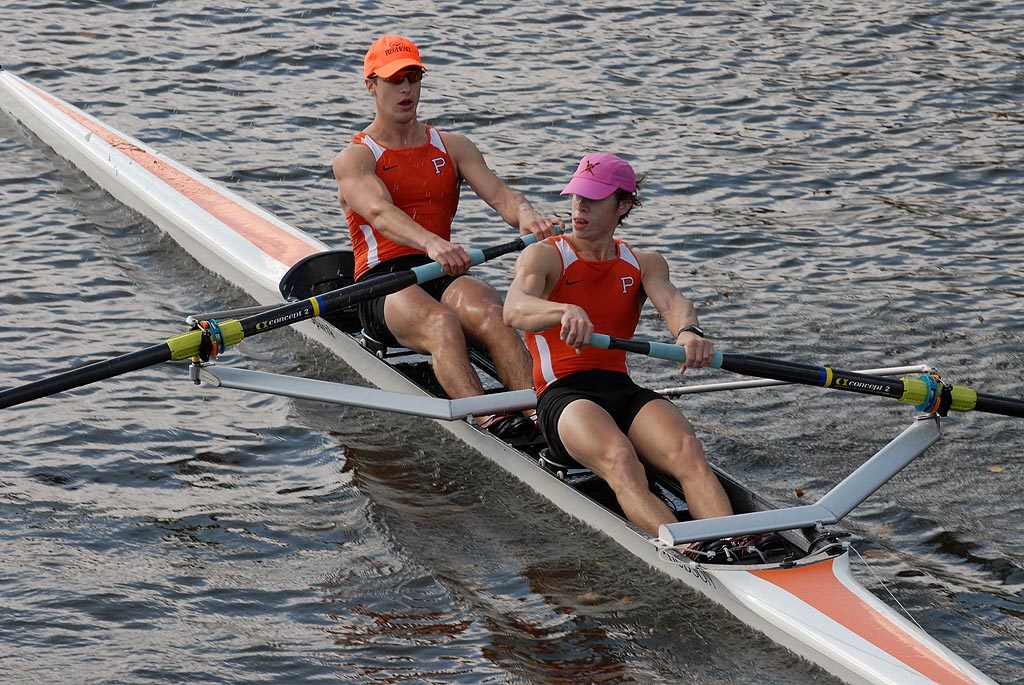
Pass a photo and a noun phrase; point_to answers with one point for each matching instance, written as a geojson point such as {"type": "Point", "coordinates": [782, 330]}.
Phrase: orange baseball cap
{"type": "Point", "coordinates": [390, 54]}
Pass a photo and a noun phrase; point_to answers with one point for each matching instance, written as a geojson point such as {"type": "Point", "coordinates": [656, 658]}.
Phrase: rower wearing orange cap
{"type": "Point", "coordinates": [398, 184]}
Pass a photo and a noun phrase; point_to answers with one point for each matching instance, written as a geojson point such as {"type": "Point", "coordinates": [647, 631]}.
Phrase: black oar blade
{"type": "Point", "coordinates": [84, 375]}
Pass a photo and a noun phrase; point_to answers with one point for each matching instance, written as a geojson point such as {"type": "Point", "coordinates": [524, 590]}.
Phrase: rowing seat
{"type": "Point", "coordinates": [480, 358]}
{"type": "Point", "coordinates": [380, 349]}
{"type": "Point", "coordinates": [568, 469]}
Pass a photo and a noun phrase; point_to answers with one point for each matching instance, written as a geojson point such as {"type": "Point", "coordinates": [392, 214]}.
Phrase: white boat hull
{"type": "Point", "coordinates": [816, 608]}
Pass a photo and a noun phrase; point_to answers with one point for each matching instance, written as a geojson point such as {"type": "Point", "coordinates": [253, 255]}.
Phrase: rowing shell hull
{"type": "Point", "coordinates": [816, 608]}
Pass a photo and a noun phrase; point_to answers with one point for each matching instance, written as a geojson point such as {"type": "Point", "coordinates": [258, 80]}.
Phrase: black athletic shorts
{"type": "Point", "coordinates": [371, 312]}
{"type": "Point", "coordinates": [613, 391]}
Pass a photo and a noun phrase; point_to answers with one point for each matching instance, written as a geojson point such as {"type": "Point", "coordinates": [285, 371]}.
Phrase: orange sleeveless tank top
{"type": "Point", "coordinates": [423, 183]}
{"type": "Point", "coordinates": [610, 292]}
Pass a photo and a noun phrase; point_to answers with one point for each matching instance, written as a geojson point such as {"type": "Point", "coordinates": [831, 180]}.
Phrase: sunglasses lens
{"type": "Point", "coordinates": [414, 76]}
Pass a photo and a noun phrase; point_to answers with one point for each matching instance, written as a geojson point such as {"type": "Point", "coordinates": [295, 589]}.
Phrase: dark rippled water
{"type": "Point", "coordinates": [829, 182]}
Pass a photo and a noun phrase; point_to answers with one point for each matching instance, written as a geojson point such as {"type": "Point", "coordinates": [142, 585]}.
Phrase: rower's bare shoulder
{"type": "Point", "coordinates": [541, 256]}
{"type": "Point", "coordinates": [354, 158]}
{"type": "Point", "coordinates": [544, 249]}
{"type": "Point", "coordinates": [458, 145]}
{"type": "Point", "coordinates": [651, 262]}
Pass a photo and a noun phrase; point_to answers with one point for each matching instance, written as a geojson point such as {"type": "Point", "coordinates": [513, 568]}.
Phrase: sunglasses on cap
{"type": "Point", "coordinates": [414, 76]}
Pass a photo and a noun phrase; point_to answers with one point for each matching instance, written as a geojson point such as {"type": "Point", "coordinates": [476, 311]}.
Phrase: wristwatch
{"type": "Point", "coordinates": [692, 328]}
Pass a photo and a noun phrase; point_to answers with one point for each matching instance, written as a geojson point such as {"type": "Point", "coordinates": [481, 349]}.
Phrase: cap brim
{"type": "Point", "coordinates": [392, 68]}
{"type": "Point", "coordinates": [589, 188]}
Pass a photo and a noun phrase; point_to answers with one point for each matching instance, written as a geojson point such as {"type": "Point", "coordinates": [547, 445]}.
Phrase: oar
{"type": "Point", "coordinates": [926, 392]}
{"type": "Point", "coordinates": [680, 390]}
{"type": "Point", "coordinates": [233, 332]}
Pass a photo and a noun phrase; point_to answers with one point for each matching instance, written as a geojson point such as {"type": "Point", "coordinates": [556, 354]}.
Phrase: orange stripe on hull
{"type": "Point", "coordinates": [818, 586]}
{"type": "Point", "coordinates": [270, 238]}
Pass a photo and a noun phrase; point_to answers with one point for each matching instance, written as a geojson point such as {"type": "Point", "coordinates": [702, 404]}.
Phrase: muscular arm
{"type": "Point", "coordinates": [362, 191]}
{"type": "Point", "coordinates": [677, 311]}
{"type": "Point", "coordinates": [527, 306]}
{"type": "Point", "coordinates": [512, 205]}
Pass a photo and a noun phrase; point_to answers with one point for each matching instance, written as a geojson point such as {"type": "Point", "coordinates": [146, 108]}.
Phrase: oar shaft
{"type": "Point", "coordinates": [917, 391]}
{"type": "Point", "coordinates": [806, 374]}
{"type": "Point", "coordinates": [187, 345]}
{"type": "Point", "coordinates": [84, 375]}
{"type": "Point", "coordinates": [992, 404]}
{"type": "Point", "coordinates": [336, 300]}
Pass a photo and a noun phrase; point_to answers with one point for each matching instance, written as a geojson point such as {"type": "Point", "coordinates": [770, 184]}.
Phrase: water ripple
{"type": "Point", "coordinates": [830, 182]}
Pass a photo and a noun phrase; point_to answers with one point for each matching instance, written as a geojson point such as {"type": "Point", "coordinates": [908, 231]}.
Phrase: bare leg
{"type": "Point", "coordinates": [479, 308]}
{"type": "Point", "coordinates": [593, 439]}
{"type": "Point", "coordinates": [665, 441]}
{"type": "Point", "coordinates": [421, 323]}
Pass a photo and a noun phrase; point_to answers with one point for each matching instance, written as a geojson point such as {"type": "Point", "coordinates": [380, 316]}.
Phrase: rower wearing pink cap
{"type": "Point", "coordinates": [590, 410]}
{"type": "Point", "coordinates": [599, 175]}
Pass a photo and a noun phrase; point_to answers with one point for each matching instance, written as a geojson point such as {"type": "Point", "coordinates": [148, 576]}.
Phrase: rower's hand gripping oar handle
{"type": "Point", "coordinates": [926, 392]}
{"type": "Point", "coordinates": [672, 353]}
{"type": "Point", "coordinates": [336, 300]}
{"type": "Point", "coordinates": [432, 271]}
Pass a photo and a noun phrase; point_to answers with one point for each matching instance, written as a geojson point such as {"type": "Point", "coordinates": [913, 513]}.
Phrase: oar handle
{"type": "Point", "coordinates": [672, 353]}
{"type": "Point", "coordinates": [432, 271]}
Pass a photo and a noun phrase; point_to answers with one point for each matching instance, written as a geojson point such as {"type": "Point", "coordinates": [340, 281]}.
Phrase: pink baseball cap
{"type": "Point", "coordinates": [599, 175]}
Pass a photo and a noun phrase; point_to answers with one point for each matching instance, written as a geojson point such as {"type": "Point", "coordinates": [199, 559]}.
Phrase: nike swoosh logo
{"type": "Point", "coordinates": [573, 282]}
{"type": "Point", "coordinates": [389, 168]}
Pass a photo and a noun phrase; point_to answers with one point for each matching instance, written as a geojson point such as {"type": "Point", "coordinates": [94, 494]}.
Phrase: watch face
{"type": "Point", "coordinates": [695, 329]}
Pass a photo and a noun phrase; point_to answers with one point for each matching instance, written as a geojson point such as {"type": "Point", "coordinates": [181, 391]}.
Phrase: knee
{"type": "Point", "coordinates": [495, 315]}
{"type": "Point", "coordinates": [490, 322]}
{"type": "Point", "coordinates": [688, 458]}
{"type": "Point", "coordinates": [622, 469]}
{"type": "Point", "coordinates": [442, 327]}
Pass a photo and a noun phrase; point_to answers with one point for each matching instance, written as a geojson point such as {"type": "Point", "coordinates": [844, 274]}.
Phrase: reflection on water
{"type": "Point", "coordinates": [829, 183]}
